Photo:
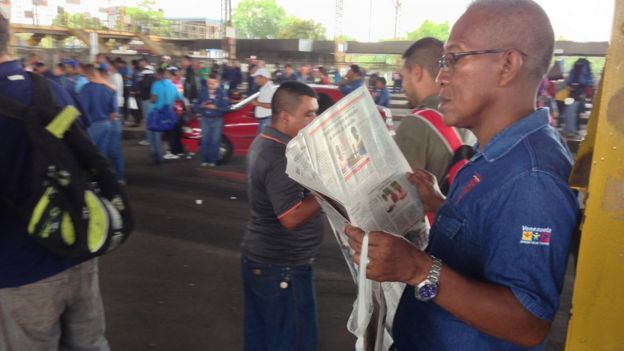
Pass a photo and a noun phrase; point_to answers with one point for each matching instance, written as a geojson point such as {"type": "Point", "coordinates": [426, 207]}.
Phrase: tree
{"type": "Point", "coordinates": [258, 19]}
{"type": "Point", "coordinates": [146, 17]}
{"type": "Point", "coordinates": [143, 16]}
{"type": "Point", "coordinates": [297, 28]}
{"type": "Point", "coordinates": [430, 29]}
{"type": "Point", "coordinates": [77, 20]}
{"type": "Point", "coordinates": [344, 38]}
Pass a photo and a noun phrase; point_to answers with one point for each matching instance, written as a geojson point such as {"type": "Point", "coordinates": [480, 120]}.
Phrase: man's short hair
{"type": "Point", "coordinates": [425, 52]}
{"type": "Point", "coordinates": [213, 76]}
{"type": "Point", "coordinates": [88, 69]}
{"type": "Point", "coordinates": [521, 25]}
{"type": "Point", "coordinates": [4, 34]}
{"type": "Point", "coordinates": [286, 97]}
{"type": "Point", "coordinates": [382, 80]}
{"type": "Point", "coordinates": [356, 69]}
{"type": "Point", "coordinates": [187, 57]}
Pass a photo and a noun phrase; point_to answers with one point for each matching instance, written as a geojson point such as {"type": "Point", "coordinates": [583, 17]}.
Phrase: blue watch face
{"type": "Point", "coordinates": [428, 291]}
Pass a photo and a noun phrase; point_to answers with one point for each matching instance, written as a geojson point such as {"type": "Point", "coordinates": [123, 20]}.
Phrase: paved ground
{"type": "Point", "coordinates": [176, 284]}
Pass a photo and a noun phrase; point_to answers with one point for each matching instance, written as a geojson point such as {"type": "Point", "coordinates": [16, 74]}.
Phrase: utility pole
{"type": "Point", "coordinates": [397, 11]}
{"type": "Point", "coordinates": [340, 45]}
{"type": "Point", "coordinates": [370, 19]}
{"type": "Point", "coordinates": [227, 30]}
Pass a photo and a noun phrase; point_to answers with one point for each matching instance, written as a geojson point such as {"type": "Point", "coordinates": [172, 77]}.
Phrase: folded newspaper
{"type": "Point", "coordinates": [347, 157]}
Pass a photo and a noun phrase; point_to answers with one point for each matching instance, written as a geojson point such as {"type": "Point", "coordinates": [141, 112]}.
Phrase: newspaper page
{"type": "Point", "coordinates": [349, 159]}
{"type": "Point", "coordinates": [348, 155]}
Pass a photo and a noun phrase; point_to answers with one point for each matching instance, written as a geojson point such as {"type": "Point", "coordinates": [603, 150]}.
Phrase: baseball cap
{"type": "Point", "coordinates": [262, 72]}
{"type": "Point", "coordinates": [70, 62]}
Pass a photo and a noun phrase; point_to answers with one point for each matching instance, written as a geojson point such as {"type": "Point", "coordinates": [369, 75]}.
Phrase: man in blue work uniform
{"type": "Point", "coordinates": [382, 95]}
{"type": "Point", "coordinates": [46, 302]}
{"type": "Point", "coordinates": [494, 269]}
{"type": "Point", "coordinates": [212, 104]}
{"type": "Point", "coordinates": [100, 104]}
{"type": "Point", "coordinates": [352, 80]}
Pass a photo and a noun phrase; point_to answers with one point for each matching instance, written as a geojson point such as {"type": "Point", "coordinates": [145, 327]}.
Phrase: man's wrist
{"type": "Point", "coordinates": [438, 203]}
{"type": "Point", "coordinates": [422, 267]}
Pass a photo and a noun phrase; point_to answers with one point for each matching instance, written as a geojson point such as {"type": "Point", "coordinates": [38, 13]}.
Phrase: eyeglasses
{"type": "Point", "coordinates": [448, 61]}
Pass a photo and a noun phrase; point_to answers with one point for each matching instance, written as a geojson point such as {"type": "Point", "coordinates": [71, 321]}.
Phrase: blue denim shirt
{"type": "Point", "coordinates": [351, 86]}
{"type": "Point", "coordinates": [219, 98]}
{"type": "Point", "coordinates": [382, 97]}
{"type": "Point", "coordinates": [508, 220]}
{"type": "Point", "coordinates": [98, 101]}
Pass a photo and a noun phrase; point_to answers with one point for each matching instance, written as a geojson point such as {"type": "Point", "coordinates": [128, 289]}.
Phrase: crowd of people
{"type": "Point", "coordinates": [112, 93]}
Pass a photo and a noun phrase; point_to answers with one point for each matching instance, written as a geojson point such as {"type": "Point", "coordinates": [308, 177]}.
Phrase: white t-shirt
{"type": "Point", "coordinates": [266, 94]}
{"type": "Point", "coordinates": [118, 82]}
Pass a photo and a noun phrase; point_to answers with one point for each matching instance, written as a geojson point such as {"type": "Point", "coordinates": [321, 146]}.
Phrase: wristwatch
{"type": "Point", "coordinates": [428, 288]}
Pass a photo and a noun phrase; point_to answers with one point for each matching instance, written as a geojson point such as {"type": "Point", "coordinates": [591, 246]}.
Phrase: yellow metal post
{"type": "Point", "coordinates": [597, 322]}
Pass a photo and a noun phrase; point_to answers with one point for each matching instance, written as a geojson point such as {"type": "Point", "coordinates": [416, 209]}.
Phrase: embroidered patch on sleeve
{"type": "Point", "coordinates": [535, 235]}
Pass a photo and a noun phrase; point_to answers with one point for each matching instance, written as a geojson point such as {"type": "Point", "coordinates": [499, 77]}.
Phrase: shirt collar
{"type": "Point", "coordinates": [275, 135]}
{"type": "Point", "coordinates": [11, 68]}
{"type": "Point", "coordinates": [509, 137]}
{"type": "Point", "coordinates": [430, 102]}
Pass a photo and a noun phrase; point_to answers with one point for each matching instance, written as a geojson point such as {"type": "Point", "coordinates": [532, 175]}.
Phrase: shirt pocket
{"type": "Point", "coordinates": [452, 224]}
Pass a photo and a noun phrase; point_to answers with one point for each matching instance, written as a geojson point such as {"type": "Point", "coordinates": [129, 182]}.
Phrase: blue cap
{"type": "Point", "coordinates": [103, 67]}
{"type": "Point", "coordinates": [70, 62]}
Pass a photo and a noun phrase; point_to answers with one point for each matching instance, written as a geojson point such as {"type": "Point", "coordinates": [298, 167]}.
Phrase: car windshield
{"type": "Point", "coordinates": [243, 102]}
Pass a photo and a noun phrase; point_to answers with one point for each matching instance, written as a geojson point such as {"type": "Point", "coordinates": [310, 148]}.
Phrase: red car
{"type": "Point", "coordinates": [240, 127]}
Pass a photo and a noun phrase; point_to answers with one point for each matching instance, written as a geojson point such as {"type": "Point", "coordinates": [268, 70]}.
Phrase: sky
{"type": "Point", "coordinates": [373, 20]}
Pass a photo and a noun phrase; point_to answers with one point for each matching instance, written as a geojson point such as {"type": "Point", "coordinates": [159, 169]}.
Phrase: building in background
{"type": "Point", "coordinates": [196, 28]}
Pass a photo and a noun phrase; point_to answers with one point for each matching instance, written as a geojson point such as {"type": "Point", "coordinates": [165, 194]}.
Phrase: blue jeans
{"type": "Point", "coordinates": [155, 141]}
{"type": "Point", "coordinates": [114, 150]}
{"type": "Point", "coordinates": [154, 138]}
{"type": "Point", "coordinates": [211, 138]}
{"type": "Point", "coordinates": [280, 307]}
{"type": "Point", "coordinates": [263, 123]}
{"type": "Point", "coordinates": [100, 132]}
{"type": "Point", "coordinates": [571, 117]}
{"type": "Point", "coordinates": [146, 107]}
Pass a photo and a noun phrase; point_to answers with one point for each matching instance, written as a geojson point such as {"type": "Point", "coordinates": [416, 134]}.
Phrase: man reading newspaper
{"type": "Point", "coordinates": [283, 235]}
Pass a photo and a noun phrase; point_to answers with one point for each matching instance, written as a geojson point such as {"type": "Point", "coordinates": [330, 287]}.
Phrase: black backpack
{"type": "Point", "coordinates": [76, 208]}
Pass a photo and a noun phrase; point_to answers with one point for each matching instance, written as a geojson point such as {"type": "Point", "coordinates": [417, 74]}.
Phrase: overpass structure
{"type": "Point", "coordinates": [271, 50]}
{"type": "Point", "coordinates": [153, 43]}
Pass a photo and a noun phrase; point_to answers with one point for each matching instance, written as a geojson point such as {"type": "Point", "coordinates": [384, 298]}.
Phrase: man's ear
{"type": "Point", "coordinates": [416, 73]}
{"type": "Point", "coordinates": [511, 65]}
{"type": "Point", "coordinates": [283, 118]}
